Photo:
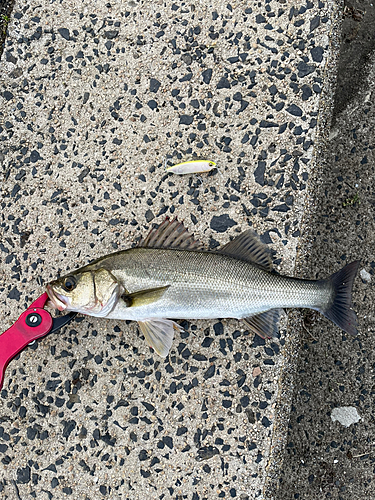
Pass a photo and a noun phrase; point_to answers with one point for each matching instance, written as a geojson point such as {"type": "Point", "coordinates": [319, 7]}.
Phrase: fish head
{"type": "Point", "coordinates": [93, 292]}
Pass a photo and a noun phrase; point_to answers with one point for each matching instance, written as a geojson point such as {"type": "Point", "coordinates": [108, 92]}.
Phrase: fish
{"type": "Point", "coordinates": [192, 167]}
{"type": "Point", "coordinates": [170, 276]}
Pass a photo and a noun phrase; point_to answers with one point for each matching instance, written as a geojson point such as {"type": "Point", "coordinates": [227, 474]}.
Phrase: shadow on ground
{"type": "Point", "coordinates": [358, 43]}
{"type": "Point", "coordinates": [324, 459]}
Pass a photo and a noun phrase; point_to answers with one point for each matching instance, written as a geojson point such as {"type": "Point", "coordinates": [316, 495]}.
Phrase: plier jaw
{"type": "Point", "coordinates": [33, 324]}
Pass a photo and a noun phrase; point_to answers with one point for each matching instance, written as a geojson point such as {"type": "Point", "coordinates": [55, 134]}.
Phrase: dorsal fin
{"type": "Point", "coordinates": [170, 234]}
{"type": "Point", "coordinates": [247, 246]}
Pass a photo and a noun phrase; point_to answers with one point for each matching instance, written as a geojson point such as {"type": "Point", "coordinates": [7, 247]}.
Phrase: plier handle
{"type": "Point", "coordinates": [33, 324]}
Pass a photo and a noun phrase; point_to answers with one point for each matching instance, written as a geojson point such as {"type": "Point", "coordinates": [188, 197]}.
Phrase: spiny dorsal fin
{"type": "Point", "coordinates": [265, 324]}
{"type": "Point", "coordinates": [170, 234]}
{"type": "Point", "coordinates": [247, 246]}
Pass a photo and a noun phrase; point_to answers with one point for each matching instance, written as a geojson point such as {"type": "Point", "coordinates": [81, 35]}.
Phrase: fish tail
{"type": "Point", "coordinates": [340, 307]}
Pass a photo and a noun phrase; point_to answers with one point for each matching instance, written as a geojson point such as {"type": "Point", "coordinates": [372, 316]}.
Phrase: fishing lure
{"type": "Point", "coordinates": [192, 167]}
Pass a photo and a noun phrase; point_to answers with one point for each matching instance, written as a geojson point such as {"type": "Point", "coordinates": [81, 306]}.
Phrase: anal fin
{"type": "Point", "coordinates": [265, 324]}
{"type": "Point", "coordinates": [159, 334]}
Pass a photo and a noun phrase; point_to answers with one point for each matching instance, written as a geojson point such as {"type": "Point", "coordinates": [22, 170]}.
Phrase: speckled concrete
{"type": "Point", "coordinates": [94, 97]}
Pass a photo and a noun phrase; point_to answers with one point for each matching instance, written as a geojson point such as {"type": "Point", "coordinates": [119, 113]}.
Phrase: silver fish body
{"type": "Point", "coordinates": [169, 277]}
{"type": "Point", "coordinates": [204, 285]}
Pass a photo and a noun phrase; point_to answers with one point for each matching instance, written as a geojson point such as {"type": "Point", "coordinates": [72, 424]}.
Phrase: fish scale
{"type": "Point", "coordinates": [169, 277]}
{"type": "Point", "coordinates": [223, 286]}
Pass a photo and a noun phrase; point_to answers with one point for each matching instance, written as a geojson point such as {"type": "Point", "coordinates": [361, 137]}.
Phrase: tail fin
{"type": "Point", "coordinates": [340, 311]}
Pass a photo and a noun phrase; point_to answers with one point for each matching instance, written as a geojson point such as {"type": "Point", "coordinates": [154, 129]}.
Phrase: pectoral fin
{"type": "Point", "coordinates": [265, 324]}
{"type": "Point", "coordinates": [144, 297]}
{"type": "Point", "coordinates": [159, 334]}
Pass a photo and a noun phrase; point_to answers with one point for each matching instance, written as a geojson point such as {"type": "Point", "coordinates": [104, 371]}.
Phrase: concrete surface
{"type": "Point", "coordinates": [94, 97]}
{"type": "Point", "coordinates": [326, 459]}
{"type": "Point", "coordinates": [357, 46]}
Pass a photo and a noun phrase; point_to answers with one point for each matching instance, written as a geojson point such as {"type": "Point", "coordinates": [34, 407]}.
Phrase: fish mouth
{"type": "Point", "coordinates": [55, 299]}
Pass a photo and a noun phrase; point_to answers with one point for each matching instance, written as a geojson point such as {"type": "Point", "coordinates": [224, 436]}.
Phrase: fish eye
{"type": "Point", "coordinates": [69, 283]}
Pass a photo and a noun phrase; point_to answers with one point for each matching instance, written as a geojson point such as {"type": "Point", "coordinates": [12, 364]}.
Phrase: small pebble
{"type": "Point", "coordinates": [346, 415]}
{"type": "Point", "coordinates": [366, 277]}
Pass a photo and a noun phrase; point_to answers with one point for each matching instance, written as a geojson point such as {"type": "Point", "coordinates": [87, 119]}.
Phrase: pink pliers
{"type": "Point", "coordinates": [33, 324]}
